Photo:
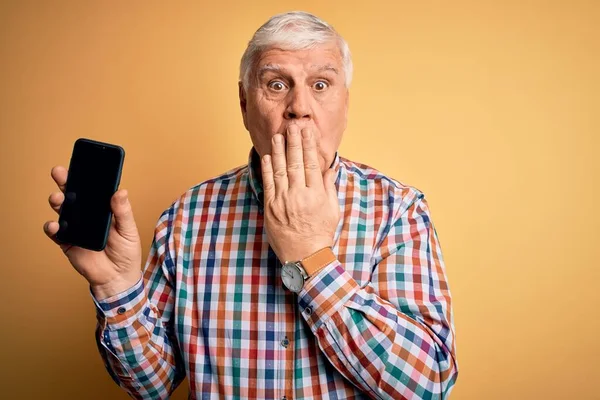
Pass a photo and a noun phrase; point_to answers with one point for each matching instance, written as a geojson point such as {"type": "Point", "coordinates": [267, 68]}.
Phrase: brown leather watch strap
{"type": "Point", "coordinates": [315, 262]}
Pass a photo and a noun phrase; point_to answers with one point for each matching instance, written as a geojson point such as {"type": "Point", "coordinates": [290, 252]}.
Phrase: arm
{"type": "Point", "coordinates": [394, 337]}
{"type": "Point", "coordinates": [135, 334]}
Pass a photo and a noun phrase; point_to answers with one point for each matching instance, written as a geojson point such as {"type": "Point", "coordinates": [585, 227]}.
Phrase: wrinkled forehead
{"type": "Point", "coordinates": [319, 58]}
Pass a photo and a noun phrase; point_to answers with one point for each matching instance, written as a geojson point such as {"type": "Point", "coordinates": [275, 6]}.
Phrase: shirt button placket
{"type": "Point", "coordinates": [289, 373]}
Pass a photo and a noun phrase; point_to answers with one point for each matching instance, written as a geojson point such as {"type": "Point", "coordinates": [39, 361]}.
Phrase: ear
{"type": "Point", "coordinates": [243, 103]}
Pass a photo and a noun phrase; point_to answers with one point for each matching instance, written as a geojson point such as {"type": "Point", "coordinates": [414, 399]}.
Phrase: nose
{"type": "Point", "coordinates": [298, 104]}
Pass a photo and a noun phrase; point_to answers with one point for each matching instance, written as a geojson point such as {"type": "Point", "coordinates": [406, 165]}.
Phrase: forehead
{"type": "Point", "coordinates": [315, 58]}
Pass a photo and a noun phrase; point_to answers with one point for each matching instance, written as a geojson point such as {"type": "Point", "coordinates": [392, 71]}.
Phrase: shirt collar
{"type": "Point", "coordinates": [255, 174]}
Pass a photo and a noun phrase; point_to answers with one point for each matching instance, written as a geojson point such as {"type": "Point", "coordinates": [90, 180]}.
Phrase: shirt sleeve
{"type": "Point", "coordinates": [135, 332]}
{"type": "Point", "coordinates": [393, 338]}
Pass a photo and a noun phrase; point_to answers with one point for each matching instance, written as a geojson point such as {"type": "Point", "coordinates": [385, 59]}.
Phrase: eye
{"type": "Point", "coordinates": [320, 86]}
{"type": "Point", "coordinates": [277, 86]}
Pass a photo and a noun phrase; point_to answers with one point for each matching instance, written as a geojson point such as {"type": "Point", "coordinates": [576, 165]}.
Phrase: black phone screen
{"type": "Point", "coordinates": [93, 177]}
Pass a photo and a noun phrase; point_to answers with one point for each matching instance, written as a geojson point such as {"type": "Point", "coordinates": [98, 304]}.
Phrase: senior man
{"type": "Point", "coordinates": [299, 275]}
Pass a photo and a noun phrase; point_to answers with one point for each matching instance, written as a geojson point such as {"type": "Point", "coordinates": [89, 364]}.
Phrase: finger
{"type": "Point", "coordinates": [56, 199]}
{"type": "Point", "coordinates": [124, 221]}
{"type": "Point", "coordinates": [312, 168]}
{"type": "Point", "coordinates": [295, 161]}
{"type": "Point", "coordinates": [267, 178]}
{"type": "Point", "coordinates": [51, 228]}
{"type": "Point", "coordinates": [278, 160]}
{"type": "Point", "coordinates": [59, 174]}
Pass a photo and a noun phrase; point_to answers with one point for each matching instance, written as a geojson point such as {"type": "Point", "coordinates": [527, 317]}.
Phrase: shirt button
{"type": "Point", "coordinates": [308, 310]}
{"type": "Point", "coordinates": [121, 310]}
{"type": "Point", "coordinates": [285, 342]}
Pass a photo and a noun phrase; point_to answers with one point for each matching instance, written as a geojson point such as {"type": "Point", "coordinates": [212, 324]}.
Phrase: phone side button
{"type": "Point", "coordinates": [70, 197]}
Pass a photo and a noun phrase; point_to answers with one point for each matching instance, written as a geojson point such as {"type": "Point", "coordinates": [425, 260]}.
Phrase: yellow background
{"type": "Point", "coordinates": [490, 107]}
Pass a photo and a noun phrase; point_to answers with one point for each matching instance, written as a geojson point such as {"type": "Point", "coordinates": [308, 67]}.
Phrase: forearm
{"type": "Point", "coordinates": [135, 345]}
{"type": "Point", "coordinates": [387, 353]}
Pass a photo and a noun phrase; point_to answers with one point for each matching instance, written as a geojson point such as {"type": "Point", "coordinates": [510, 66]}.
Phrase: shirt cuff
{"type": "Point", "coordinates": [325, 293]}
{"type": "Point", "coordinates": [122, 309]}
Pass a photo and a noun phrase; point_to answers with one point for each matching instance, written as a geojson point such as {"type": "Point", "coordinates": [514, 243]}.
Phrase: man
{"type": "Point", "coordinates": [299, 275]}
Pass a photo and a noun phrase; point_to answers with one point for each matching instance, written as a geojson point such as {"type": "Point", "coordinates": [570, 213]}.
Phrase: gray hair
{"type": "Point", "coordinates": [295, 30]}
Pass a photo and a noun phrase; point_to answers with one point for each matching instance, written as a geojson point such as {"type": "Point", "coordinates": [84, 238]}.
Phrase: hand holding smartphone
{"type": "Point", "coordinates": [107, 255]}
{"type": "Point", "coordinates": [94, 176]}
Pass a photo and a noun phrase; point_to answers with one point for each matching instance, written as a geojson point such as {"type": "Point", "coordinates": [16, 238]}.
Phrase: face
{"type": "Point", "coordinates": [302, 87]}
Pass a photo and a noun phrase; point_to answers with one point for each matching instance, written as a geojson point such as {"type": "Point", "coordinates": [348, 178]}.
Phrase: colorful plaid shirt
{"type": "Point", "coordinates": [375, 323]}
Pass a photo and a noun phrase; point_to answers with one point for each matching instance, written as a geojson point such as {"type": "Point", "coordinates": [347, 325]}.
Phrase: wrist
{"type": "Point", "coordinates": [294, 274]}
{"type": "Point", "coordinates": [115, 286]}
{"type": "Point", "coordinates": [299, 250]}
{"type": "Point", "coordinates": [318, 260]}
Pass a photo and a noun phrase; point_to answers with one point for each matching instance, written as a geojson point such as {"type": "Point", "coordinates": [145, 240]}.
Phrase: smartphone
{"type": "Point", "coordinates": [93, 177]}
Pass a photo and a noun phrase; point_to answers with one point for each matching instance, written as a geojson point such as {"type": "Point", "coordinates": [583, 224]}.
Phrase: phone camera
{"type": "Point", "coordinates": [103, 147]}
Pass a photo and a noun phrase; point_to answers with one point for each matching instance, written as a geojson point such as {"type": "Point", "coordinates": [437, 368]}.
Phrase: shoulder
{"type": "Point", "coordinates": [213, 189]}
{"type": "Point", "coordinates": [390, 190]}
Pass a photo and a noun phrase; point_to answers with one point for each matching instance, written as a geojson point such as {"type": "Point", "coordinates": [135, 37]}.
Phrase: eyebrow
{"type": "Point", "coordinates": [266, 68]}
{"type": "Point", "coordinates": [277, 68]}
{"type": "Point", "coordinates": [326, 67]}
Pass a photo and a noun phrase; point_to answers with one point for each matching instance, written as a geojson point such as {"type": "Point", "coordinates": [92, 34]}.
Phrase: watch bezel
{"type": "Point", "coordinates": [298, 267]}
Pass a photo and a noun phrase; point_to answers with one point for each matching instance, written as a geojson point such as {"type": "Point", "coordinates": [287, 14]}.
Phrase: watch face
{"type": "Point", "coordinates": [292, 278]}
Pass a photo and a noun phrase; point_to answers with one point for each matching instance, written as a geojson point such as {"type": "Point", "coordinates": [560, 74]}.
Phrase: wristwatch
{"type": "Point", "coordinates": [295, 273]}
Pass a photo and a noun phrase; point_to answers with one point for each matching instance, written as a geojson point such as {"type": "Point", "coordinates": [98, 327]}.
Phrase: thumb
{"type": "Point", "coordinates": [121, 208]}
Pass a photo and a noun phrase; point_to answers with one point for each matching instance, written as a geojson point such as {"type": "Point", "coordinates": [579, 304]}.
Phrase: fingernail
{"type": "Point", "coordinates": [277, 138]}
{"type": "Point", "coordinates": [266, 159]}
{"type": "Point", "coordinates": [306, 133]}
{"type": "Point", "coordinates": [123, 198]}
